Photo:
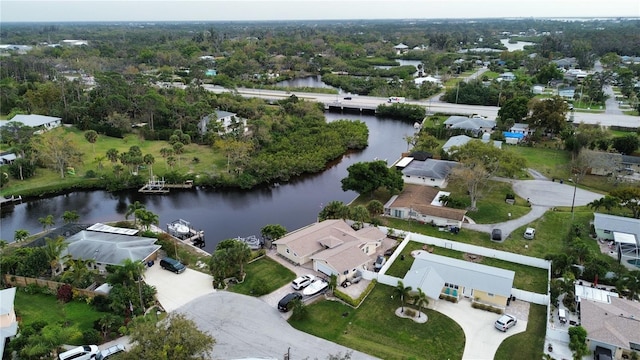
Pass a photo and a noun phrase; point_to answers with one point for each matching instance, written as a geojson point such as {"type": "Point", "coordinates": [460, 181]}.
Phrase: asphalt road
{"type": "Point", "coordinates": [246, 327]}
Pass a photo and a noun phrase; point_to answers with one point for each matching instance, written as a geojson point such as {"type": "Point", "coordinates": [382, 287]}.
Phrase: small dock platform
{"type": "Point", "coordinates": [182, 230]}
{"type": "Point", "coordinates": [10, 201]}
{"type": "Point", "coordinates": [156, 186]}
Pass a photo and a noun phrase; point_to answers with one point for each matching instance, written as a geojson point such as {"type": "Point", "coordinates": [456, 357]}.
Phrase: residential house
{"type": "Point", "coordinates": [613, 326]}
{"type": "Point", "coordinates": [507, 76]}
{"type": "Point", "coordinates": [565, 63]}
{"type": "Point", "coordinates": [475, 125]}
{"type": "Point", "coordinates": [422, 203]}
{"type": "Point", "coordinates": [401, 49]}
{"type": "Point", "coordinates": [624, 232]}
{"type": "Point", "coordinates": [228, 122]}
{"type": "Point", "coordinates": [104, 244]}
{"type": "Point", "coordinates": [630, 164]}
{"type": "Point", "coordinates": [39, 122]}
{"type": "Point", "coordinates": [567, 93]}
{"type": "Point", "coordinates": [428, 172]}
{"type": "Point", "coordinates": [8, 320]}
{"type": "Point", "coordinates": [431, 79]}
{"type": "Point", "coordinates": [458, 140]}
{"type": "Point", "coordinates": [437, 275]}
{"type": "Point", "coordinates": [7, 158]}
{"type": "Point", "coordinates": [333, 247]}
{"type": "Point", "coordinates": [603, 163]}
{"type": "Point", "coordinates": [520, 128]}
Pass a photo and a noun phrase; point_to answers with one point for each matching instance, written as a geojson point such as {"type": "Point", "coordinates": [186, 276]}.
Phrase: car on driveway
{"type": "Point", "coordinates": [496, 235]}
{"type": "Point", "coordinates": [106, 353]}
{"type": "Point", "coordinates": [505, 322]}
{"type": "Point", "coordinates": [172, 265]}
{"type": "Point", "coordinates": [302, 282]}
{"type": "Point", "coordinates": [380, 261]}
{"type": "Point", "coordinates": [286, 302]}
{"type": "Point", "coordinates": [529, 233]}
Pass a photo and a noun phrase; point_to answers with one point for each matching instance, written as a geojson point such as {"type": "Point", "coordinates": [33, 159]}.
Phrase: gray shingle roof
{"type": "Point", "coordinates": [467, 274]}
{"type": "Point", "coordinates": [617, 323]}
{"type": "Point", "coordinates": [430, 168]}
{"type": "Point", "coordinates": [108, 248]}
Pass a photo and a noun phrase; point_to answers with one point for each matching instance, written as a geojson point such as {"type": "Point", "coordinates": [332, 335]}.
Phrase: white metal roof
{"type": "Point", "coordinates": [404, 161]}
{"type": "Point", "coordinates": [112, 230]}
{"type": "Point", "coordinates": [593, 293]}
{"type": "Point", "coordinates": [623, 238]}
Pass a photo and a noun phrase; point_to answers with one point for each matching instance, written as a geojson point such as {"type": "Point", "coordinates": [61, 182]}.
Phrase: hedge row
{"type": "Point", "coordinates": [355, 302]}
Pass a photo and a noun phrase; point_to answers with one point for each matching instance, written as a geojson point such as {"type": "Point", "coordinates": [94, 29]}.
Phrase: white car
{"type": "Point", "coordinates": [505, 322]}
{"type": "Point", "coordinates": [529, 233]}
{"type": "Point", "coordinates": [315, 287]}
{"type": "Point", "coordinates": [302, 282]}
{"type": "Point", "coordinates": [106, 353]}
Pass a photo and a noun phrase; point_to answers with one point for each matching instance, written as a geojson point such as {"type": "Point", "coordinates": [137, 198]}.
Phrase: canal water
{"type": "Point", "coordinates": [225, 214]}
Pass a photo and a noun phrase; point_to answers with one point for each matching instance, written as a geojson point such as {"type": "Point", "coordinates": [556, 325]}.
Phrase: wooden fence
{"type": "Point", "coordinates": [21, 281]}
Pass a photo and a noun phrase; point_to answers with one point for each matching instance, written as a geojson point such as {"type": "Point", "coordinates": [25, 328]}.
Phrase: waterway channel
{"type": "Point", "coordinates": [225, 214]}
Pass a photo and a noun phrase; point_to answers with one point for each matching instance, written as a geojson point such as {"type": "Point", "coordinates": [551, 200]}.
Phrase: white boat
{"type": "Point", "coordinates": [252, 241]}
{"type": "Point", "coordinates": [179, 228]}
{"type": "Point", "coordinates": [315, 287]}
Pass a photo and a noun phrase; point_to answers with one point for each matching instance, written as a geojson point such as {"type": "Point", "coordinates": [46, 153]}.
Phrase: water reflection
{"type": "Point", "coordinates": [228, 213]}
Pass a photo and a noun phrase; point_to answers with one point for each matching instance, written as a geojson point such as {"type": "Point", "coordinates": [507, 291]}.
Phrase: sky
{"type": "Point", "coordinates": [248, 10]}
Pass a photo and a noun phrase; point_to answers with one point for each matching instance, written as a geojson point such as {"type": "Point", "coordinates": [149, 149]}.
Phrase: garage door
{"type": "Point", "coordinates": [324, 268]}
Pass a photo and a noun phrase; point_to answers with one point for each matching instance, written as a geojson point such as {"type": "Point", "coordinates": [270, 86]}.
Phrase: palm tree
{"type": "Point", "coordinates": [402, 291]}
{"type": "Point", "coordinates": [70, 217]}
{"type": "Point", "coordinates": [420, 300]}
{"type": "Point", "coordinates": [131, 210]}
{"type": "Point", "coordinates": [133, 271]}
{"type": "Point", "coordinates": [47, 222]}
{"type": "Point", "coordinates": [78, 271]}
{"type": "Point", "coordinates": [147, 218]}
{"type": "Point", "coordinates": [607, 202]}
{"type": "Point", "coordinates": [53, 250]}
{"type": "Point", "coordinates": [20, 235]}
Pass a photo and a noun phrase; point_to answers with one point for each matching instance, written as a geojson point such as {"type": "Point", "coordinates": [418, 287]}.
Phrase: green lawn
{"type": "Point", "coordinates": [492, 208]}
{"type": "Point", "coordinates": [39, 307]}
{"type": "Point", "coordinates": [376, 330]}
{"type": "Point", "coordinates": [547, 159]}
{"type": "Point", "coordinates": [208, 160]}
{"type": "Point", "coordinates": [263, 276]}
{"type": "Point", "coordinates": [526, 277]}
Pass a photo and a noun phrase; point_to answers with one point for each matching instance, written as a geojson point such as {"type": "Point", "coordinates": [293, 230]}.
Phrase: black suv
{"type": "Point", "coordinates": [172, 265]}
{"type": "Point", "coordinates": [285, 303]}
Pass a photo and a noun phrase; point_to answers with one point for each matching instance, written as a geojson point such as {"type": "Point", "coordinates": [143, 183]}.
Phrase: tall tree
{"type": "Point", "coordinates": [359, 214]}
{"type": "Point", "coordinates": [626, 144]}
{"type": "Point", "coordinates": [131, 210]}
{"type": "Point", "coordinates": [53, 249]}
{"type": "Point", "coordinates": [70, 217]}
{"type": "Point", "coordinates": [46, 222]}
{"type": "Point", "coordinates": [420, 300]}
{"type": "Point", "coordinates": [402, 292]}
{"type": "Point", "coordinates": [176, 337]}
{"type": "Point", "coordinates": [147, 218]}
{"type": "Point", "coordinates": [272, 232]}
{"type": "Point", "coordinates": [367, 177]}
{"type": "Point", "coordinates": [20, 235]}
{"type": "Point", "coordinates": [629, 198]}
{"type": "Point", "coordinates": [334, 210]}
{"type": "Point", "coordinates": [479, 162]}
{"type": "Point", "coordinates": [548, 115]}
{"type": "Point", "coordinates": [56, 151]}
{"type": "Point", "coordinates": [91, 136]}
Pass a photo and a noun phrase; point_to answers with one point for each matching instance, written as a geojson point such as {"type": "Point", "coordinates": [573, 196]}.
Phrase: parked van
{"type": "Point", "coordinates": [85, 352]}
{"type": "Point", "coordinates": [172, 265]}
{"type": "Point", "coordinates": [562, 316]}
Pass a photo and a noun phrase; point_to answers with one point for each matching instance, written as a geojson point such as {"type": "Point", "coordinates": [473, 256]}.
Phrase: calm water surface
{"type": "Point", "coordinates": [224, 214]}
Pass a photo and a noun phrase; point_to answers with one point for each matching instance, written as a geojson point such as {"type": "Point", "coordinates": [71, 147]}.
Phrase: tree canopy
{"type": "Point", "coordinates": [367, 177]}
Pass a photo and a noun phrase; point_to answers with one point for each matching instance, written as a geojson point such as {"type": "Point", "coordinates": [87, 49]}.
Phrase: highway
{"type": "Point", "coordinates": [431, 106]}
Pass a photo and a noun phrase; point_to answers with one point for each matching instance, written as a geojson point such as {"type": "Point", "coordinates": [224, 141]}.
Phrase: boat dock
{"type": "Point", "coordinates": [156, 186]}
{"type": "Point", "coordinates": [182, 230]}
{"type": "Point", "coordinates": [9, 201]}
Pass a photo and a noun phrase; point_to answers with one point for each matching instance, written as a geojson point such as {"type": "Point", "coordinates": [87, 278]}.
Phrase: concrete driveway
{"type": "Point", "coordinates": [482, 338]}
{"type": "Point", "coordinates": [246, 327]}
{"type": "Point", "coordinates": [175, 290]}
{"type": "Point", "coordinates": [552, 193]}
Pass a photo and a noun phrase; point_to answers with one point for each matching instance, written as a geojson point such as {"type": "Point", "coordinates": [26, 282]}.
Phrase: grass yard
{"type": "Point", "coordinates": [212, 162]}
{"type": "Point", "coordinates": [492, 208]}
{"type": "Point", "coordinates": [529, 344]}
{"type": "Point", "coordinates": [526, 277]}
{"type": "Point", "coordinates": [376, 330]}
{"type": "Point", "coordinates": [39, 307]}
{"type": "Point", "coordinates": [548, 160]}
{"type": "Point", "coordinates": [263, 276]}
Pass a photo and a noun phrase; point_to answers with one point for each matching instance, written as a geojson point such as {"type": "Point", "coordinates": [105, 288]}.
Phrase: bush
{"type": "Point", "coordinates": [65, 293]}
{"type": "Point", "coordinates": [486, 307]}
{"type": "Point", "coordinates": [449, 298]}
{"type": "Point", "coordinates": [90, 174]}
{"type": "Point", "coordinates": [91, 336]}
{"type": "Point", "coordinates": [409, 312]}
{"type": "Point", "coordinates": [100, 303]}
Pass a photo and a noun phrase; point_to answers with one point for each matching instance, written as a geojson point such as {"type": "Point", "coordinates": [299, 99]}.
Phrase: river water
{"type": "Point", "coordinates": [225, 214]}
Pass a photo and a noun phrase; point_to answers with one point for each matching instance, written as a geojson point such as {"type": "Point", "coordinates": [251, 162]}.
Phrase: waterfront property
{"type": "Point", "coordinates": [422, 203]}
{"type": "Point", "coordinates": [333, 247]}
{"type": "Point", "coordinates": [475, 125]}
{"type": "Point", "coordinates": [428, 172]}
{"type": "Point", "coordinates": [226, 122]}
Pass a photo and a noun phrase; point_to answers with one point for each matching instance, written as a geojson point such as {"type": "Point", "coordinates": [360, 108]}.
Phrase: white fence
{"type": "Point", "coordinates": [528, 296]}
